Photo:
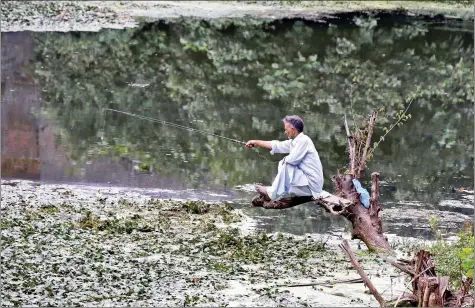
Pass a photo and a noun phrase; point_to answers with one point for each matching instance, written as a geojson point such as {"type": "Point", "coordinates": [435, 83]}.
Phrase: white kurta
{"type": "Point", "coordinates": [300, 172]}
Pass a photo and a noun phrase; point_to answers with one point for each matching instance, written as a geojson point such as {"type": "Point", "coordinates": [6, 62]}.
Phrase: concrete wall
{"type": "Point", "coordinates": [30, 147]}
{"type": "Point", "coordinates": [20, 100]}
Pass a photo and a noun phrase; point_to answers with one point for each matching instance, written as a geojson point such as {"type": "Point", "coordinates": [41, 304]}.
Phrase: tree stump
{"type": "Point", "coordinates": [345, 201]}
{"type": "Point", "coordinates": [428, 289]}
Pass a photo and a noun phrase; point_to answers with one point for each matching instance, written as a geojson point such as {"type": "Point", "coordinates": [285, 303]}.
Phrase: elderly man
{"type": "Point", "coordinates": [300, 172]}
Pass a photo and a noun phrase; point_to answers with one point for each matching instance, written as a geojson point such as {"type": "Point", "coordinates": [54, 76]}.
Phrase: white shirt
{"type": "Point", "coordinates": [304, 157]}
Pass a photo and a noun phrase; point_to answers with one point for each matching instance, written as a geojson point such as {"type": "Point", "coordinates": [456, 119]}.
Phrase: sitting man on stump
{"type": "Point", "coordinates": [299, 173]}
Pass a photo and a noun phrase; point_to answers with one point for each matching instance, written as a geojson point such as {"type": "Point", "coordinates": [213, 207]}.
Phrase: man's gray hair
{"type": "Point", "coordinates": [295, 121]}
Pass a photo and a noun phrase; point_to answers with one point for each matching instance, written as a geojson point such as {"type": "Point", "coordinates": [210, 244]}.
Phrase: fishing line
{"type": "Point", "coordinates": [178, 126]}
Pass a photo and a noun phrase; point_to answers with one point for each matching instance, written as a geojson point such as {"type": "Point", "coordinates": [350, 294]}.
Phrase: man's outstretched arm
{"type": "Point", "coordinates": [259, 143]}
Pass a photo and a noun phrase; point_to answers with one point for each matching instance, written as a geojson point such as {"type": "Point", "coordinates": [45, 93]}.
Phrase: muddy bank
{"type": "Point", "coordinates": [95, 15]}
{"type": "Point", "coordinates": [94, 246]}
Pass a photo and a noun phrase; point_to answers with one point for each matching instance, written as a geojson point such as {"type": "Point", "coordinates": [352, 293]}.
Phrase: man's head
{"type": "Point", "coordinates": [293, 126]}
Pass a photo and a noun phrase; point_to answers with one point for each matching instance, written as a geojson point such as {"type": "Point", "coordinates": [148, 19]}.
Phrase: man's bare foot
{"type": "Point", "coordinates": [263, 191]}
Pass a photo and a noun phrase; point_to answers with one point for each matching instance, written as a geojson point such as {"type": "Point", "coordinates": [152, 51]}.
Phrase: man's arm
{"type": "Point", "coordinates": [259, 143]}
{"type": "Point", "coordinates": [297, 154]}
{"type": "Point", "coordinates": [275, 146]}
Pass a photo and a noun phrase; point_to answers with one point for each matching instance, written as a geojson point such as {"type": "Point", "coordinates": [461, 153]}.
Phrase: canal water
{"type": "Point", "coordinates": [239, 78]}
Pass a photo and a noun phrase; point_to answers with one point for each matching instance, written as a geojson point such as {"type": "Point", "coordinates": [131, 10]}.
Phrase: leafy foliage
{"type": "Point", "coordinates": [454, 259]}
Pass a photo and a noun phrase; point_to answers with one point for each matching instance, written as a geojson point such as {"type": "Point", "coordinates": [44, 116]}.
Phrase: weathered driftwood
{"type": "Point", "coordinates": [347, 250]}
{"type": "Point", "coordinates": [345, 202]}
{"type": "Point", "coordinates": [333, 204]}
{"type": "Point", "coordinates": [428, 289]}
{"type": "Point", "coordinates": [400, 266]}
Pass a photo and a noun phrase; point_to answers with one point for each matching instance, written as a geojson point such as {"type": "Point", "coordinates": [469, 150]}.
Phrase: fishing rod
{"type": "Point", "coordinates": [175, 125]}
{"type": "Point", "coordinates": [185, 128]}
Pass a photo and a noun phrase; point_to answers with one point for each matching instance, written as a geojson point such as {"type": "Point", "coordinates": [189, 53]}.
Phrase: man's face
{"type": "Point", "coordinates": [290, 131]}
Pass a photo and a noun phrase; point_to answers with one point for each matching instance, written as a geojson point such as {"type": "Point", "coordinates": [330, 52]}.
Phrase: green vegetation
{"type": "Point", "coordinates": [196, 207]}
{"type": "Point", "coordinates": [454, 259]}
{"type": "Point", "coordinates": [49, 209]}
{"type": "Point", "coordinates": [120, 226]}
{"type": "Point", "coordinates": [154, 246]}
{"type": "Point", "coordinates": [258, 247]}
{"type": "Point", "coordinates": [220, 267]}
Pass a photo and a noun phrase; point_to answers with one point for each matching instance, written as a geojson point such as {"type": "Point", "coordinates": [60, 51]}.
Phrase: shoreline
{"type": "Point", "coordinates": [97, 15]}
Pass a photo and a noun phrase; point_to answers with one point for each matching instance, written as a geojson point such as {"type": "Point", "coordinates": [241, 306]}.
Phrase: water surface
{"type": "Point", "coordinates": [239, 79]}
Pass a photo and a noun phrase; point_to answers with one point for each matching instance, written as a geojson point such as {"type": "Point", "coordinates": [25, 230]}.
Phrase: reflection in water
{"type": "Point", "coordinates": [20, 151]}
{"type": "Point", "coordinates": [239, 79]}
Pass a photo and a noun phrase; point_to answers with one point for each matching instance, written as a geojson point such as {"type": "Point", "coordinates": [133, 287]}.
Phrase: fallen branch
{"type": "Point", "coordinates": [356, 280]}
{"type": "Point", "coordinates": [347, 250]}
{"type": "Point", "coordinates": [332, 204]}
{"type": "Point", "coordinates": [397, 265]}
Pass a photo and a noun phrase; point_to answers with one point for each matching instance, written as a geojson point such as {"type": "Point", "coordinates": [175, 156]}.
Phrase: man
{"type": "Point", "coordinates": [300, 172]}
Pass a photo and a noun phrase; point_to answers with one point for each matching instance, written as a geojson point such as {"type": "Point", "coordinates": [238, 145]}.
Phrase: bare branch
{"type": "Point", "coordinates": [371, 123]}
{"type": "Point", "coordinates": [374, 202]}
{"type": "Point", "coordinates": [352, 89]}
{"type": "Point", "coordinates": [351, 144]}
{"type": "Point", "coordinates": [333, 204]}
{"type": "Point", "coordinates": [347, 250]}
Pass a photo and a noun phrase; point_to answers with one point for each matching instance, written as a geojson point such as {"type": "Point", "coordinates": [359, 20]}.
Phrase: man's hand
{"type": "Point", "coordinates": [259, 143]}
{"type": "Point", "coordinates": [251, 144]}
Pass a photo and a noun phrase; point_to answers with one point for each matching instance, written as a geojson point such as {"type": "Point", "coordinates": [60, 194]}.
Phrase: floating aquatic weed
{"type": "Point", "coordinates": [49, 209]}
{"type": "Point", "coordinates": [227, 215]}
{"type": "Point", "coordinates": [126, 203]}
{"type": "Point", "coordinates": [70, 256]}
{"type": "Point", "coordinates": [221, 267]}
{"type": "Point", "coordinates": [209, 227]}
{"type": "Point", "coordinates": [67, 193]}
{"type": "Point", "coordinates": [91, 221]}
{"type": "Point", "coordinates": [196, 207]}
{"type": "Point", "coordinates": [156, 202]}
{"type": "Point", "coordinates": [194, 300]}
